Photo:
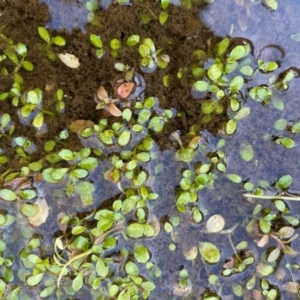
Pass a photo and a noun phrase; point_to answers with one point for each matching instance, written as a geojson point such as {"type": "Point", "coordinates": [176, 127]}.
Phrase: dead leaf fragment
{"type": "Point", "coordinates": [263, 241]}
{"type": "Point", "coordinates": [42, 213]}
{"type": "Point", "coordinates": [239, 2]}
{"type": "Point", "coordinates": [69, 60]}
{"type": "Point", "coordinates": [79, 125]}
{"type": "Point", "coordinates": [215, 223]}
{"type": "Point", "coordinates": [125, 89]}
{"type": "Point", "coordinates": [113, 110]}
{"type": "Point", "coordinates": [102, 94]}
{"type": "Point", "coordinates": [190, 254]}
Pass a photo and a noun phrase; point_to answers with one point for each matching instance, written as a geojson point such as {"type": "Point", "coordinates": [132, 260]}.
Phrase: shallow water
{"type": "Point", "coordinates": [268, 32]}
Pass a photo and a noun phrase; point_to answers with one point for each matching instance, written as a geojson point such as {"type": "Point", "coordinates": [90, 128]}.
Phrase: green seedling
{"type": "Point", "coordinates": [97, 42]}
{"type": "Point", "coordinates": [57, 40]}
{"type": "Point", "coordinates": [92, 6]}
{"type": "Point", "coordinates": [80, 165]}
{"type": "Point", "coordinates": [151, 58]}
{"type": "Point", "coordinates": [31, 110]}
{"type": "Point", "coordinates": [60, 104]}
{"type": "Point", "coordinates": [7, 127]}
{"type": "Point", "coordinates": [17, 54]}
{"type": "Point", "coordinates": [115, 46]}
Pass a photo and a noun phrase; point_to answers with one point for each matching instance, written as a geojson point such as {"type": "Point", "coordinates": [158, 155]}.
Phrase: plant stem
{"type": "Point", "coordinates": [233, 248]}
{"type": "Point", "coordinates": [119, 227]}
{"type": "Point", "coordinates": [272, 197]}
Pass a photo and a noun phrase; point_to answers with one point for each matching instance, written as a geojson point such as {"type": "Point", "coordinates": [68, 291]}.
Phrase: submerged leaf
{"type": "Point", "coordinates": [215, 223]}
{"type": "Point", "coordinates": [42, 213]}
{"type": "Point", "coordinates": [284, 182]}
{"type": "Point", "coordinates": [215, 71]}
{"type": "Point", "coordinates": [209, 252]}
{"type": "Point", "coordinates": [230, 127]}
{"type": "Point", "coordinates": [7, 195]}
{"type": "Point", "coordinates": [246, 151]}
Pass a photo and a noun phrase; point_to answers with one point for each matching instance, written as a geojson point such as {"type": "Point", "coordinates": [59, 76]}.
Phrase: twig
{"type": "Point", "coordinates": [272, 197]}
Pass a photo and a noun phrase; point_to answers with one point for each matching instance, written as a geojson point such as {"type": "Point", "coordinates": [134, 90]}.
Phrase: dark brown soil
{"type": "Point", "coordinates": [179, 37]}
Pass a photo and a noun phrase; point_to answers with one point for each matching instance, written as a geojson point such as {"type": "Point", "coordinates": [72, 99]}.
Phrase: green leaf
{"type": "Point", "coordinates": [150, 102]}
{"type": "Point", "coordinates": [79, 173]}
{"type": "Point", "coordinates": [163, 17]}
{"type": "Point", "coordinates": [91, 5]}
{"type": "Point", "coordinates": [78, 282]}
{"type": "Point", "coordinates": [104, 224]}
{"type": "Point", "coordinates": [164, 4]}
{"type": "Point", "coordinates": [28, 210]}
{"type": "Point", "coordinates": [230, 127]}
{"type": "Point", "coordinates": [272, 4]}
{"type": "Point", "coordinates": [38, 120]}
{"type": "Point", "coordinates": [139, 179]}
{"type": "Point", "coordinates": [143, 156]}
{"type": "Point", "coordinates": [222, 46]}
{"type": "Point", "coordinates": [246, 70]}
{"type": "Point", "coordinates": [246, 151]}
{"type": "Point", "coordinates": [80, 243]}
{"type": "Point", "coordinates": [67, 154]}
{"type": "Point", "coordinates": [284, 182]}
{"type": "Point", "coordinates": [21, 49]}
{"type": "Point", "coordinates": [286, 142]}
{"type": "Point", "coordinates": [47, 291]}
{"type": "Point", "coordinates": [264, 226]}
{"type": "Point", "coordinates": [281, 206]}
{"type": "Point", "coordinates": [3, 96]}
{"type": "Point", "coordinates": [149, 42]}
{"type": "Point", "coordinates": [242, 113]}
{"type": "Point", "coordinates": [209, 252]}
{"type": "Point", "coordinates": [5, 119]}
{"type": "Point", "coordinates": [33, 97]}
{"type": "Point", "coordinates": [237, 53]}
{"type": "Point", "coordinates": [28, 194]}
{"type": "Point", "coordinates": [268, 66]}
{"type": "Point", "coordinates": [59, 41]}
{"type": "Point", "coordinates": [236, 83]}
{"type": "Point", "coordinates": [141, 253]}
{"type": "Point", "coordinates": [144, 115]}
{"type": "Point", "coordinates": [99, 53]}
{"type": "Point", "coordinates": [133, 40]}
{"type": "Point", "coordinates": [101, 269]}
{"type": "Point", "coordinates": [135, 230]}
{"type": "Point", "coordinates": [124, 138]}
{"type": "Point", "coordinates": [34, 279]}
{"type": "Point", "coordinates": [89, 163]}
{"type": "Point", "coordinates": [115, 44]}
{"type": "Point", "coordinates": [7, 195]}
{"type": "Point", "coordinates": [144, 50]}
{"type": "Point", "coordinates": [96, 40]}
{"type": "Point", "coordinates": [49, 145]}
{"type": "Point", "coordinates": [59, 173]}
{"type": "Point", "coordinates": [27, 65]}
{"type": "Point", "coordinates": [201, 85]}
{"type": "Point", "coordinates": [215, 72]}
{"type": "Point", "coordinates": [208, 106]}
{"type": "Point", "coordinates": [85, 190]}
{"type": "Point", "coordinates": [234, 178]}
{"type": "Point", "coordinates": [131, 268]}
{"type": "Point", "coordinates": [44, 34]}
{"type": "Point", "coordinates": [78, 229]}
{"type": "Point", "coordinates": [280, 124]}
{"type": "Point", "coordinates": [127, 114]}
